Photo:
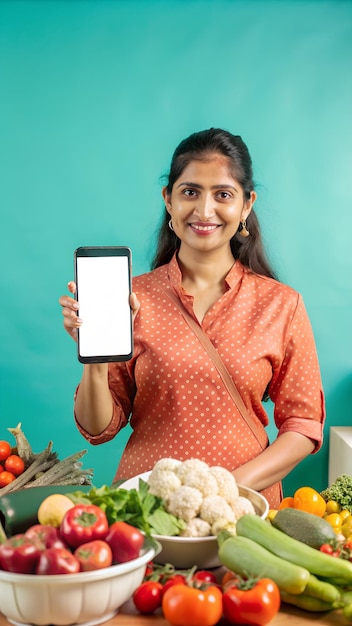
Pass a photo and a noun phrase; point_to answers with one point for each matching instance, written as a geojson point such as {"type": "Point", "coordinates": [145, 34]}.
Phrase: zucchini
{"type": "Point", "coordinates": [321, 589]}
{"type": "Point", "coordinates": [307, 603]}
{"type": "Point", "coordinates": [245, 557]}
{"type": "Point", "coordinates": [306, 527]}
{"type": "Point", "coordinates": [316, 562]}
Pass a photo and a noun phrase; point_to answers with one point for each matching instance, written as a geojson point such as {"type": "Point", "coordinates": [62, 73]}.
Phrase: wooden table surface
{"type": "Point", "coordinates": [287, 615]}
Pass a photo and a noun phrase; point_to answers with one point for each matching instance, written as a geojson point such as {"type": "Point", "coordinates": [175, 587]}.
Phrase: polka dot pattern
{"type": "Point", "coordinates": [173, 395]}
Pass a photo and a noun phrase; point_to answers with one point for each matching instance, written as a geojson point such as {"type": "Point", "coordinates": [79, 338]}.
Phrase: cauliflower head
{"type": "Point", "coordinates": [185, 502]}
{"type": "Point", "coordinates": [215, 507]}
{"type": "Point", "coordinates": [196, 527]}
{"type": "Point", "coordinates": [162, 482]}
{"type": "Point", "coordinates": [205, 497]}
{"type": "Point", "coordinates": [227, 486]}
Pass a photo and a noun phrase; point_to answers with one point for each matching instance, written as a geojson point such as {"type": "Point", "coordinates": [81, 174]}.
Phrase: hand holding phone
{"type": "Point", "coordinates": [103, 281]}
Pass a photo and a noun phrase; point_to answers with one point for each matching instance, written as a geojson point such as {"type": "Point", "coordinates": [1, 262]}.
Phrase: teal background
{"type": "Point", "coordinates": [94, 97]}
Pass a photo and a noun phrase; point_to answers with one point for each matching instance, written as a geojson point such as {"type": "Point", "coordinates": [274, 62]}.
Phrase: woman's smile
{"type": "Point", "coordinates": [203, 228]}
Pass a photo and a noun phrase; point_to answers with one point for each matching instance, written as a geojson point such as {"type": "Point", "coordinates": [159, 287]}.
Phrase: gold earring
{"type": "Point", "coordinates": [244, 232]}
{"type": "Point", "coordinates": [170, 225]}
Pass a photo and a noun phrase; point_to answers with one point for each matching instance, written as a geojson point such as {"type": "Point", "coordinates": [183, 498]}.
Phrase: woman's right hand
{"type": "Point", "coordinates": [70, 306]}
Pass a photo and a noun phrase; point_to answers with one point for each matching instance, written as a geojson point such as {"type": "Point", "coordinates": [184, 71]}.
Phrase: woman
{"type": "Point", "coordinates": [210, 255]}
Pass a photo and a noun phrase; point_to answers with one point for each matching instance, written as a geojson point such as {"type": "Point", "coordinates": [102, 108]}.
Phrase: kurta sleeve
{"type": "Point", "coordinates": [296, 387]}
{"type": "Point", "coordinates": [122, 390]}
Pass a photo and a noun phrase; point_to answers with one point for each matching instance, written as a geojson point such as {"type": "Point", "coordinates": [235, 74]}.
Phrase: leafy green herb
{"type": "Point", "coordinates": [138, 507]}
{"type": "Point", "coordinates": [340, 491]}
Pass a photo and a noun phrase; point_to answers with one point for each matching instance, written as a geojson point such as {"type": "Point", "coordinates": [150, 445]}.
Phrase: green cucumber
{"type": "Point", "coordinates": [306, 527]}
{"type": "Point", "coordinates": [323, 565]}
{"type": "Point", "coordinates": [245, 557]}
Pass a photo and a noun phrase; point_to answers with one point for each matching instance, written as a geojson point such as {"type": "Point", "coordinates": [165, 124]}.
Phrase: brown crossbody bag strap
{"type": "Point", "coordinates": [257, 430]}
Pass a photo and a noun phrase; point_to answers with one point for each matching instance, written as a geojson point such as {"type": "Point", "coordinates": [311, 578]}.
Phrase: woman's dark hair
{"type": "Point", "coordinates": [198, 147]}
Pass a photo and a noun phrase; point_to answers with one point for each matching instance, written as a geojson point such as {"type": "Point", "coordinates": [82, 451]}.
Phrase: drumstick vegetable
{"type": "Point", "coordinates": [45, 468]}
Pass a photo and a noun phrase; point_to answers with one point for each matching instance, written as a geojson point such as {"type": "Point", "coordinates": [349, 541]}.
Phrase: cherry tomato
{"type": "Point", "coordinates": [205, 576]}
{"type": "Point", "coordinates": [256, 605]}
{"type": "Point", "coordinates": [93, 555]}
{"type": "Point", "coordinates": [57, 561]}
{"type": "Point", "coordinates": [6, 478]}
{"type": "Point", "coordinates": [333, 507]}
{"type": "Point", "coordinates": [334, 520]}
{"type": "Point", "coordinates": [229, 577]}
{"type": "Point", "coordinates": [328, 549]}
{"type": "Point", "coordinates": [14, 464]}
{"type": "Point", "coordinates": [346, 527]}
{"type": "Point", "coordinates": [188, 606]}
{"type": "Point", "coordinates": [125, 541]}
{"type": "Point", "coordinates": [309, 500]}
{"type": "Point", "coordinates": [176, 579]}
{"type": "Point", "coordinates": [5, 450]}
{"type": "Point", "coordinates": [147, 597]}
{"type": "Point", "coordinates": [1, 468]}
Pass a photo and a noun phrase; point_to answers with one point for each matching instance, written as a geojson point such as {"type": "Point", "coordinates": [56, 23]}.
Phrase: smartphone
{"type": "Point", "coordinates": [103, 280]}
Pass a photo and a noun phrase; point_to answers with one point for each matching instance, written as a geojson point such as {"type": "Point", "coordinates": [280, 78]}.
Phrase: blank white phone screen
{"type": "Point", "coordinates": [103, 297]}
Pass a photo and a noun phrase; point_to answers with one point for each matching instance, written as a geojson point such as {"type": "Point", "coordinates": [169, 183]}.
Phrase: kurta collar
{"type": "Point", "coordinates": [232, 279]}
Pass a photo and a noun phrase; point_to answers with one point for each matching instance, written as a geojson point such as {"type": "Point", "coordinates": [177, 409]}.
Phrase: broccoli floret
{"type": "Point", "coordinates": [340, 491]}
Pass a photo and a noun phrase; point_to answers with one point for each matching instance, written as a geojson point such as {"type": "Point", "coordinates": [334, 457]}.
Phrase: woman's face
{"type": "Point", "coordinates": [207, 204]}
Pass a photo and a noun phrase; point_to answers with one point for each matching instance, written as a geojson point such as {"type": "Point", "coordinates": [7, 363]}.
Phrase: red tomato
{"type": "Point", "coordinates": [204, 576]}
{"type": "Point", "coordinates": [93, 555]}
{"type": "Point", "coordinates": [125, 541]}
{"type": "Point", "coordinates": [188, 606]}
{"type": "Point", "coordinates": [19, 554]}
{"type": "Point", "coordinates": [45, 536]}
{"type": "Point", "coordinates": [5, 450]}
{"type": "Point", "coordinates": [83, 523]}
{"type": "Point", "coordinates": [176, 579]}
{"type": "Point", "coordinates": [6, 478]}
{"type": "Point", "coordinates": [1, 468]}
{"type": "Point", "coordinates": [57, 561]}
{"type": "Point", "coordinates": [14, 464]}
{"type": "Point", "coordinates": [256, 606]}
{"type": "Point", "coordinates": [147, 597]}
{"type": "Point", "coordinates": [328, 549]}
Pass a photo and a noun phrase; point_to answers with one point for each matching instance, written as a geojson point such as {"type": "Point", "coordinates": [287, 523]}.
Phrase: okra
{"type": "Point", "coordinates": [245, 557]}
{"type": "Point", "coordinates": [323, 565]}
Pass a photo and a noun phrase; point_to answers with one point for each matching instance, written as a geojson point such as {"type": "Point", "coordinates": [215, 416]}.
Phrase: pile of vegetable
{"type": "Point", "coordinates": [180, 498]}
{"type": "Point", "coordinates": [20, 467]}
{"type": "Point", "coordinates": [340, 492]}
{"type": "Point", "coordinates": [82, 541]}
{"type": "Point", "coordinates": [193, 597]}
{"type": "Point", "coordinates": [205, 498]}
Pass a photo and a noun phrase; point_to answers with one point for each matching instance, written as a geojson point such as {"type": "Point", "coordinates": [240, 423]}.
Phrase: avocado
{"type": "Point", "coordinates": [306, 527]}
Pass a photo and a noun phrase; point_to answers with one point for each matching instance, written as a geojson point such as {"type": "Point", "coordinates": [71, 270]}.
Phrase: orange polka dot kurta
{"type": "Point", "coordinates": [172, 394]}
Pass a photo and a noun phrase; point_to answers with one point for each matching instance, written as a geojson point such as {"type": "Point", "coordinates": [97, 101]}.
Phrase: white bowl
{"type": "Point", "coordinates": [85, 598]}
{"type": "Point", "coordinates": [185, 552]}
